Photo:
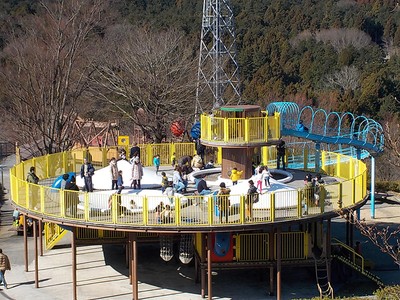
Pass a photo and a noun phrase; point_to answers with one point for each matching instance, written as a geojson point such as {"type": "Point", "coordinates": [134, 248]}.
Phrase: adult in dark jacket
{"type": "Point", "coordinates": [251, 197]}
{"type": "Point", "coordinates": [185, 163]}
{"type": "Point", "coordinates": [280, 154]}
{"type": "Point", "coordinates": [87, 171]}
{"type": "Point", "coordinates": [71, 197]}
{"type": "Point", "coordinates": [202, 187]}
{"type": "Point", "coordinates": [135, 151]}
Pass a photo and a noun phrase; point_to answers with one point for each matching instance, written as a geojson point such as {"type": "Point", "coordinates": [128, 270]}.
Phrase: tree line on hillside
{"type": "Point", "coordinates": [137, 61]}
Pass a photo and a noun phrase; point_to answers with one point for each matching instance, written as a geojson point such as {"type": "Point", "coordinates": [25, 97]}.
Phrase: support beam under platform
{"type": "Point", "coordinates": [133, 247]}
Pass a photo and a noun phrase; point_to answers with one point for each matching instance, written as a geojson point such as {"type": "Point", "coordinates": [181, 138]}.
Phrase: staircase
{"type": "Point", "coordinates": [359, 269]}
{"type": "Point", "coordinates": [354, 260]}
{"type": "Point", "coordinates": [321, 273]}
{"type": "Point", "coordinates": [53, 234]}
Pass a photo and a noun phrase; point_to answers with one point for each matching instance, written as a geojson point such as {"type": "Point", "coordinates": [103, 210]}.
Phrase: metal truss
{"type": "Point", "coordinates": [218, 72]}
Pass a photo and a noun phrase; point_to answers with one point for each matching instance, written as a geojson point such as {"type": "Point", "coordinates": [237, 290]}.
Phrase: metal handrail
{"type": "Point", "coordinates": [272, 206]}
{"type": "Point", "coordinates": [352, 251]}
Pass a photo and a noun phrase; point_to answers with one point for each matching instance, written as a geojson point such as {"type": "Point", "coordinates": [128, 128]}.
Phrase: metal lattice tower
{"type": "Point", "coordinates": [218, 72]}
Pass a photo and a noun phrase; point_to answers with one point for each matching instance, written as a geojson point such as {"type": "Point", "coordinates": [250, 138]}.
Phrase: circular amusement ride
{"type": "Point", "coordinates": [288, 224]}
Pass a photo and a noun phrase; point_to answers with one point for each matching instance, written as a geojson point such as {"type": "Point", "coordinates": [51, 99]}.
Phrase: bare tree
{"type": "Point", "coordinates": [385, 238]}
{"type": "Point", "coordinates": [347, 79]}
{"type": "Point", "coordinates": [45, 72]}
{"type": "Point", "coordinates": [302, 36]}
{"type": "Point", "coordinates": [148, 76]}
{"type": "Point", "coordinates": [346, 4]}
{"type": "Point", "coordinates": [341, 38]}
{"type": "Point", "coordinates": [390, 49]}
{"type": "Point", "coordinates": [392, 140]}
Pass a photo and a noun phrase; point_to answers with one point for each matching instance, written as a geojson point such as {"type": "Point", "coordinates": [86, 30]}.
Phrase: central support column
{"type": "Point", "coordinates": [239, 158]}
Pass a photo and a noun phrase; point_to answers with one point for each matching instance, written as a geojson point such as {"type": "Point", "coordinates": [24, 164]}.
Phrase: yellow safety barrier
{"type": "Point", "coordinates": [52, 234]}
{"type": "Point", "coordinates": [186, 211]}
{"type": "Point", "coordinates": [294, 245]}
{"type": "Point", "coordinates": [252, 247]}
{"type": "Point", "coordinates": [240, 130]}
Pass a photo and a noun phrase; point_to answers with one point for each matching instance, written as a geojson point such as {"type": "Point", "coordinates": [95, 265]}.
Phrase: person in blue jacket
{"type": "Point", "coordinates": [300, 127]}
{"type": "Point", "coordinates": [156, 163]}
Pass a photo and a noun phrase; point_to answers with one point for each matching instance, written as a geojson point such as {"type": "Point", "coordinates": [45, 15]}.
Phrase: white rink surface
{"type": "Point", "coordinates": [151, 188]}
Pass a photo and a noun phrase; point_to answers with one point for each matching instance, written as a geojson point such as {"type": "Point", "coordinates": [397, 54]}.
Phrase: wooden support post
{"type": "Point", "coordinates": [271, 281]}
{"type": "Point", "coordinates": [41, 237]}
{"type": "Point", "coordinates": [127, 254]}
{"type": "Point", "coordinates": [35, 236]}
{"type": "Point", "coordinates": [328, 248]}
{"type": "Point", "coordinates": [351, 229]}
{"type": "Point", "coordinates": [202, 268]}
{"type": "Point", "coordinates": [135, 290]}
{"type": "Point", "coordinates": [278, 263]}
{"type": "Point", "coordinates": [74, 262]}
{"type": "Point", "coordinates": [209, 270]}
{"type": "Point", "coordinates": [347, 230]}
{"type": "Point", "coordinates": [130, 256]}
{"type": "Point", "coordinates": [25, 245]}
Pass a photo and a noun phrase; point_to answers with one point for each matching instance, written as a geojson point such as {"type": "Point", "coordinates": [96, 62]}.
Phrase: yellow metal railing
{"type": "Point", "coordinates": [294, 245]}
{"type": "Point", "coordinates": [349, 253]}
{"type": "Point", "coordinates": [240, 130]}
{"type": "Point", "coordinates": [52, 234]}
{"type": "Point", "coordinates": [187, 211]}
{"type": "Point", "coordinates": [252, 247]}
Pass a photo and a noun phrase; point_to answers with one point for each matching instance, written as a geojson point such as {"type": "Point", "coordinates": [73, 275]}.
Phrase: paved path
{"type": "Point", "coordinates": [103, 275]}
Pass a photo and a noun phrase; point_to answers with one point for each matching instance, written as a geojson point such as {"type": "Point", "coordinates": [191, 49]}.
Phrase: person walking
{"type": "Point", "coordinates": [87, 171]}
{"type": "Point", "coordinates": [266, 176]}
{"type": "Point", "coordinates": [164, 181]}
{"type": "Point", "coordinates": [120, 182]}
{"type": "Point", "coordinates": [137, 174]}
{"type": "Point", "coordinates": [4, 266]}
{"type": "Point", "coordinates": [251, 197]}
{"type": "Point", "coordinates": [156, 163]}
{"type": "Point", "coordinates": [308, 193]}
{"type": "Point", "coordinates": [173, 160]}
{"type": "Point", "coordinates": [114, 173]}
{"type": "Point", "coordinates": [259, 178]}
{"type": "Point", "coordinates": [319, 190]}
{"type": "Point", "coordinates": [235, 176]}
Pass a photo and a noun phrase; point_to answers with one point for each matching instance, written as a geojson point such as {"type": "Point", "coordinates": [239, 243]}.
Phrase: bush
{"type": "Point", "coordinates": [388, 293]}
{"type": "Point", "coordinates": [385, 186]}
